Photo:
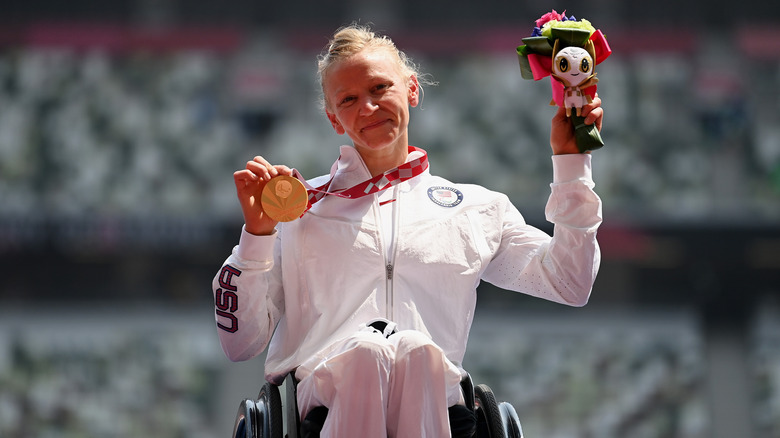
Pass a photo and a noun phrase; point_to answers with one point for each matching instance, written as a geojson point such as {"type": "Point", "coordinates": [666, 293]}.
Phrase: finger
{"type": "Point", "coordinates": [261, 168]}
{"type": "Point", "coordinates": [259, 159]}
{"type": "Point", "coordinates": [269, 171]}
{"type": "Point", "coordinates": [595, 103]}
{"type": "Point", "coordinates": [243, 178]}
{"type": "Point", "coordinates": [593, 115]}
{"type": "Point", "coordinates": [284, 170]}
{"type": "Point", "coordinates": [593, 112]}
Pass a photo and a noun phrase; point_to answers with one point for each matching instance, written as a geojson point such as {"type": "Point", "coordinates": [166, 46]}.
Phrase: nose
{"type": "Point", "coordinates": [367, 105]}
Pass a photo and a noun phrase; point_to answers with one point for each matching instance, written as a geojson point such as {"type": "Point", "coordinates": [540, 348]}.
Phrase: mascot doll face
{"type": "Point", "coordinates": [573, 65]}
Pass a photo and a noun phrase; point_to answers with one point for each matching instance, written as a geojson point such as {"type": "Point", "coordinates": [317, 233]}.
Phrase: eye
{"type": "Point", "coordinates": [347, 100]}
{"type": "Point", "coordinates": [585, 65]}
{"type": "Point", "coordinates": [563, 64]}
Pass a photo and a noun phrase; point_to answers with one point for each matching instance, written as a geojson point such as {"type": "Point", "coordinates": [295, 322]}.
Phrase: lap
{"type": "Point", "coordinates": [365, 345]}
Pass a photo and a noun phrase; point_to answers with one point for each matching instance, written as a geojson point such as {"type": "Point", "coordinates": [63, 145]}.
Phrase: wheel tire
{"type": "Point", "coordinates": [487, 411]}
{"type": "Point", "coordinates": [246, 420]}
{"type": "Point", "coordinates": [510, 420]}
{"type": "Point", "coordinates": [269, 412]}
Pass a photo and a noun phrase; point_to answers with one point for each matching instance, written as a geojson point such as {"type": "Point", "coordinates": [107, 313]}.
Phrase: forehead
{"type": "Point", "coordinates": [366, 64]}
{"type": "Point", "coordinates": [573, 52]}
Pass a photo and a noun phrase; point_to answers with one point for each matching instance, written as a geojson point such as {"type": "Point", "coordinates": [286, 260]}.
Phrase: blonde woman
{"type": "Point", "coordinates": [407, 251]}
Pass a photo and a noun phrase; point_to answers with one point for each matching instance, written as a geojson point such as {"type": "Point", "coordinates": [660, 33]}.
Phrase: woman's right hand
{"type": "Point", "coordinates": [249, 186]}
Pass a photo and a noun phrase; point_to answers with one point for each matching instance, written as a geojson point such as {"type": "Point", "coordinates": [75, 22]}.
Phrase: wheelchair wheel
{"type": "Point", "coordinates": [261, 418]}
{"type": "Point", "coordinates": [489, 422]}
{"type": "Point", "coordinates": [246, 420]}
{"type": "Point", "coordinates": [269, 412]}
{"type": "Point", "coordinates": [290, 407]}
{"type": "Point", "coordinates": [510, 420]}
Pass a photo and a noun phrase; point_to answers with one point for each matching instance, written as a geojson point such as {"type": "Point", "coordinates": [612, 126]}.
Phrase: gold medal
{"type": "Point", "coordinates": [284, 198]}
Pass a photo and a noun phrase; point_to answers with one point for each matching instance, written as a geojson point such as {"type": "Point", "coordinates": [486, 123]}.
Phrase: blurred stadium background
{"type": "Point", "coordinates": [121, 123]}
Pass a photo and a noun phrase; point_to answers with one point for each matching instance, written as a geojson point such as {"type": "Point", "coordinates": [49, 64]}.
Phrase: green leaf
{"type": "Point", "coordinates": [525, 67]}
{"type": "Point", "coordinates": [570, 37]}
{"type": "Point", "coordinates": [587, 136]}
{"type": "Point", "coordinates": [539, 45]}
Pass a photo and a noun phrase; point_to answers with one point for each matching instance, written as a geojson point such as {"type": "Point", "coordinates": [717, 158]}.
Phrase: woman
{"type": "Point", "coordinates": [410, 253]}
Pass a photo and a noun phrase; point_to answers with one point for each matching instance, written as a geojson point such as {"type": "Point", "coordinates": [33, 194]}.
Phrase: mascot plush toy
{"type": "Point", "coordinates": [573, 67]}
{"type": "Point", "coordinates": [567, 50]}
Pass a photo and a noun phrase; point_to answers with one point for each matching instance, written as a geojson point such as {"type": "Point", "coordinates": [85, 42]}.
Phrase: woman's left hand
{"type": "Point", "coordinates": [562, 138]}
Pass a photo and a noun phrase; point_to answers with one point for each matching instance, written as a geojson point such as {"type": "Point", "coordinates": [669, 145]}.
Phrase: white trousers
{"type": "Point", "coordinates": [378, 387]}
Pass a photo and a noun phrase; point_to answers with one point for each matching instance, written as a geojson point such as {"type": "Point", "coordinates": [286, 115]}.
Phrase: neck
{"type": "Point", "coordinates": [379, 162]}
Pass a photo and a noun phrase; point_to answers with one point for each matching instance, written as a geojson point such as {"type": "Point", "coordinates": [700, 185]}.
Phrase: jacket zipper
{"type": "Point", "coordinates": [390, 257]}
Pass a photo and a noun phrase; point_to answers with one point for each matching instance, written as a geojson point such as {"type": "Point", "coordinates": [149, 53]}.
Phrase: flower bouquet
{"type": "Point", "coordinates": [567, 50]}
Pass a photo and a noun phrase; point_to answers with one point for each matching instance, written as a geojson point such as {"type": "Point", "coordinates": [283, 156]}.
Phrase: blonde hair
{"type": "Point", "coordinates": [350, 40]}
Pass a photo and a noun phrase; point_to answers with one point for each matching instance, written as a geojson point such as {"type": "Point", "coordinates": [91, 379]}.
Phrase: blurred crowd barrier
{"type": "Point", "coordinates": [160, 372]}
{"type": "Point", "coordinates": [108, 372]}
{"type": "Point", "coordinates": [600, 374]}
{"type": "Point", "coordinates": [155, 129]}
{"type": "Point", "coordinates": [765, 372]}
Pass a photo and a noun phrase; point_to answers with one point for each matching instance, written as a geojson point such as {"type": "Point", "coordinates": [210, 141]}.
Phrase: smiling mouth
{"type": "Point", "coordinates": [374, 125]}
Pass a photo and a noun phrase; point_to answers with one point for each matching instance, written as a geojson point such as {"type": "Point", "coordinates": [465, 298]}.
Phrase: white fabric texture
{"type": "Point", "coordinates": [303, 291]}
{"type": "Point", "coordinates": [366, 382]}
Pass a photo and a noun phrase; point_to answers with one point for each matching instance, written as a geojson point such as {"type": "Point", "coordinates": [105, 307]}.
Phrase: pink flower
{"type": "Point", "coordinates": [550, 16]}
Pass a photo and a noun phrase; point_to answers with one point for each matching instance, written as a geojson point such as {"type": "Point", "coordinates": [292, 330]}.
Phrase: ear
{"type": "Point", "coordinates": [591, 49]}
{"type": "Point", "coordinates": [556, 48]}
{"type": "Point", "coordinates": [414, 91]}
{"type": "Point", "coordinates": [335, 123]}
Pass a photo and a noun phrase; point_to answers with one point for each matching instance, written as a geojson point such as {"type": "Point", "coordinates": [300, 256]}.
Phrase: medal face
{"type": "Point", "coordinates": [284, 198]}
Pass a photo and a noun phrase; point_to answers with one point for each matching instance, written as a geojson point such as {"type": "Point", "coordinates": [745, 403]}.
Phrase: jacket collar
{"type": "Point", "coordinates": [350, 169]}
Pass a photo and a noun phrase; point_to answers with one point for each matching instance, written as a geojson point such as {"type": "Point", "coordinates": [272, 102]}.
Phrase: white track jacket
{"type": "Point", "coordinates": [349, 261]}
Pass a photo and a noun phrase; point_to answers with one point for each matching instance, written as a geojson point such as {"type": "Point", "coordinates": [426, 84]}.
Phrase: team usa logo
{"type": "Point", "coordinates": [445, 196]}
{"type": "Point", "coordinates": [226, 299]}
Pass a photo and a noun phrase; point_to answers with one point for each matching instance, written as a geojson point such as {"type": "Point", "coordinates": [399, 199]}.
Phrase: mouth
{"type": "Point", "coordinates": [375, 125]}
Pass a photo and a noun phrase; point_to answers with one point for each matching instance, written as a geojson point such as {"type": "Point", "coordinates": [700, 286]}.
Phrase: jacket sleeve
{"type": "Point", "coordinates": [248, 297]}
{"type": "Point", "coordinates": [561, 268]}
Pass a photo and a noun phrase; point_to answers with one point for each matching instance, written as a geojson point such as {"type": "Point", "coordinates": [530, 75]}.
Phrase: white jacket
{"type": "Point", "coordinates": [344, 263]}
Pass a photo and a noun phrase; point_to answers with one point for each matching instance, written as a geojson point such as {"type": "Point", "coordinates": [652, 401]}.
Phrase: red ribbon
{"type": "Point", "coordinates": [376, 184]}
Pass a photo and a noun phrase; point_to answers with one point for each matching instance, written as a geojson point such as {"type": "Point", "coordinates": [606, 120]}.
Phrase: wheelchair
{"type": "Point", "coordinates": [271, 416]}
